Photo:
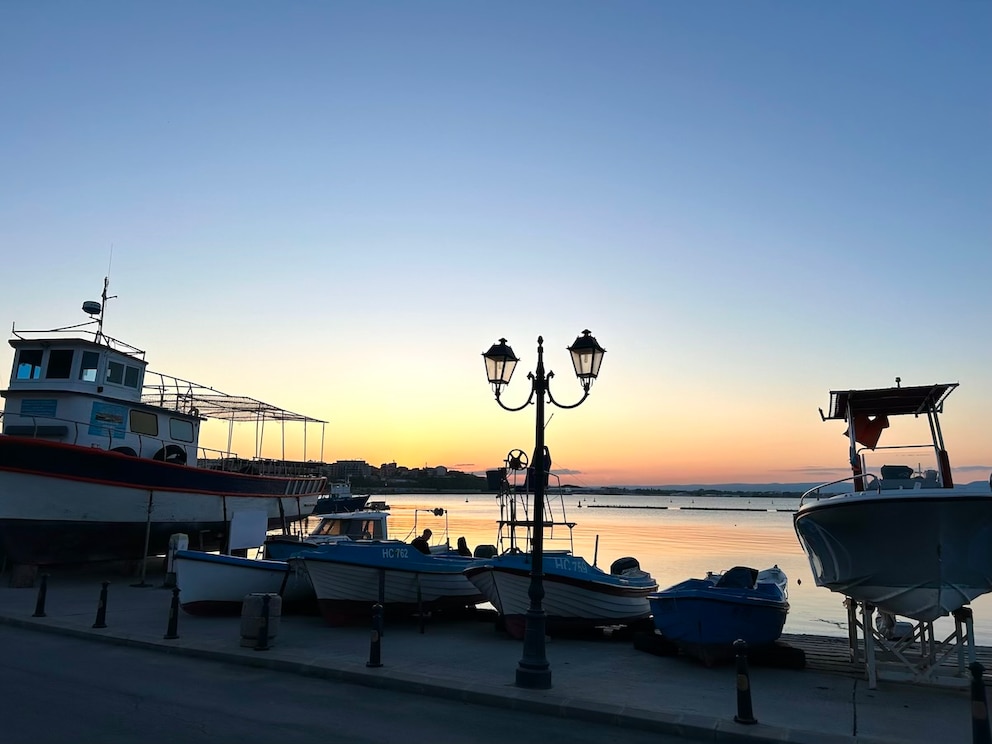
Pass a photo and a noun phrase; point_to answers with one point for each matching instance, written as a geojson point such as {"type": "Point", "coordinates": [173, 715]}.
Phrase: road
{"type": "Point", "coordinates": [56, 689]}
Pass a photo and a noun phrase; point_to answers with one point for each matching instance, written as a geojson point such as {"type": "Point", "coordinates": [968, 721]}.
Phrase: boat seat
{"type": "Point", "coordinates": [739, 577]}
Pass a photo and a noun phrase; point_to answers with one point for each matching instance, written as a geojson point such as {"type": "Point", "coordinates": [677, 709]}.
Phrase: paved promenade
{"type": "Point", "coordinates": [606, 680]}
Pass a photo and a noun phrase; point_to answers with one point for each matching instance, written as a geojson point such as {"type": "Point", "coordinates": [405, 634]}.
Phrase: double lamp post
{"type": "Point", "coordinates": [533, 670]}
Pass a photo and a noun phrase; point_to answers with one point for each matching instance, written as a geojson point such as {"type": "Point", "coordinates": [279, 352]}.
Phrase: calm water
{"type": "Point", "coordinates": [675, 543]}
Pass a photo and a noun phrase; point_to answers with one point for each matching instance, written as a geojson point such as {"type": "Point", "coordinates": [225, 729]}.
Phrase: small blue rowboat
{"type": "Point", "coordinates": [704, 617]}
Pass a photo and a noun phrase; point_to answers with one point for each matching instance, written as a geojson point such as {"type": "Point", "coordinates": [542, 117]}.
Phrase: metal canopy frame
{"type": "Point", "coordinates": [897, 401]}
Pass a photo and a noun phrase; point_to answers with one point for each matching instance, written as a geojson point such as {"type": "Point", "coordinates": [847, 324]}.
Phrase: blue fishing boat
{"type": "Point", "coordinates": [704, 617]}
{"type": "Point", "coordinates": [348, 577]}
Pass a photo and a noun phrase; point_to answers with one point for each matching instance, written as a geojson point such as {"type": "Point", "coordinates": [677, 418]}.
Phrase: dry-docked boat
{"type": "Point", "coordinates": [216, 584]}
{"type": "Point", "coordinates": [577, 595]}
{"type": "Point", "coordinates": [100, 457]}
{"type": "Point", "coordinates": [909, 542]}
{"type": "Point", "coordinates": [705, 617]}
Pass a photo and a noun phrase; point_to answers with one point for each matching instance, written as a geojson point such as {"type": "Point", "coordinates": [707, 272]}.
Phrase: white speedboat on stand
{"type": "Point", "coordinates": [577, 595]}
{"type": "Point", "coordinates": [100, 458]}
{"type": "Point", "coordinates": [909, 542]}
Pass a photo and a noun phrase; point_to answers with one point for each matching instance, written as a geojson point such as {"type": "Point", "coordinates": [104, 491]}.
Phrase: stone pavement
{"type": "Point", "coordinates": [468, 660]}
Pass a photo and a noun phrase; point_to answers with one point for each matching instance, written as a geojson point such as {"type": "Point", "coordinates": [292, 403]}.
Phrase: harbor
{"type": "Point", "coordinates": [605, 679]}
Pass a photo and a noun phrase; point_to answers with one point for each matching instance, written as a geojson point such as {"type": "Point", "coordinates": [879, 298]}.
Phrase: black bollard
{"type": "Point", "coordinates": [744, 712]}
{"type": "Point", "coordinates": [980, 733]}
{"type": "Point", "coordinates": [39, 608]}
{"type": "Point", "coordinates": [101, 610]}
{"type": "Point", "coordinates": [375, 647]}
{"type": "Point", "coordinates": [172, 632]}
{"type": "Point", "coordinates": [263, 627]}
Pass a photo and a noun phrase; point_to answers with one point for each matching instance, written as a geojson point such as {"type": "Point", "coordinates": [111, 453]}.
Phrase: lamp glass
{"type": "Point", "coordinates": [500, 363]}
{"type": "Point", "coordinates": [587, 356]}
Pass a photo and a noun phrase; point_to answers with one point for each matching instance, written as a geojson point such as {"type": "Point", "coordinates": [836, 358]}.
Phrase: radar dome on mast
{"type": "Point", "coordinates": [91, 307]}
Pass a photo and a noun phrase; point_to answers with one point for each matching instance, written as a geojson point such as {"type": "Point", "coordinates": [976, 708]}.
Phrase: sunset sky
{"type": "Point", "coordinates": [337, 207]}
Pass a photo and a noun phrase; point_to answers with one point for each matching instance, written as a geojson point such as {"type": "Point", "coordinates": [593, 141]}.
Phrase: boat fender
{"type": "Point", "coordinates": [171, 453]}
{"type": "Point", "coordinates": [623, 565]}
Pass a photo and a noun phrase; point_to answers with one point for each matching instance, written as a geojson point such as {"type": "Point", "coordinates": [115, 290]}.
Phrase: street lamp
{"type": "Point", "coordinates": [534, 671]}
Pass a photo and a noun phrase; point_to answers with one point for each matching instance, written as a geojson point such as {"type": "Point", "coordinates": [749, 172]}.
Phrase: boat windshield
{"type": "Point", "coordinates": [356, 529]}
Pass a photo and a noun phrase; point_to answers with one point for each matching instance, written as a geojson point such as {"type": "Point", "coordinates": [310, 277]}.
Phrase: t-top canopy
{"type": "Point", "coordinates": [893, 401]}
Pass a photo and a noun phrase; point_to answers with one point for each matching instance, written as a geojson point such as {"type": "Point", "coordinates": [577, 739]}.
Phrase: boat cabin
{"type": "Point", "coordinates": [81, 392]}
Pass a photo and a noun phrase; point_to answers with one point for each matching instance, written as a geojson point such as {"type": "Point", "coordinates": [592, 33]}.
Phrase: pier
{"type": "Point", "coordinates": [602, 678]}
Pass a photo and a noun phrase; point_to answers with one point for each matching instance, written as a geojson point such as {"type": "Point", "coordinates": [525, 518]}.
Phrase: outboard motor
{"type": "Point", "coordinates": [624, 565]}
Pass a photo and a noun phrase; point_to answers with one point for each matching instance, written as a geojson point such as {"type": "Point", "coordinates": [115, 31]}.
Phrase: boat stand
{"type": "Point", "coordinates": [915, 655]}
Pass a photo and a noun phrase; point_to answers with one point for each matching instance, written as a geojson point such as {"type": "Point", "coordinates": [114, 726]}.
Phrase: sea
{"type": "Point", "coordinates": [673, 538]}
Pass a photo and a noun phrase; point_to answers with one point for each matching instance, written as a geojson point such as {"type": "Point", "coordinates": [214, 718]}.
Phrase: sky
{"type": "Point", "coordinates": [337, 207]}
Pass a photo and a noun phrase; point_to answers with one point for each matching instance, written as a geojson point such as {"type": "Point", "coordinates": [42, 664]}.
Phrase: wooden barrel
{"type": "Point", "coordinates": [251, 618]}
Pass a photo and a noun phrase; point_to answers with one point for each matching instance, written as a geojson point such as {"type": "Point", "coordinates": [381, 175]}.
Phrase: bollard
{"type": "Point", "coordinates": [375, 647]}
{"type": "Point", "coordinates": [172, 632]}
{"type": "Point", "coordinates": [39, 608]}
{"type": "Point", "coordinates": [980, 733]}
{"type": "Point", "coordinates": [101, 610]}
{"type": "Point", "coordinates": [263, 627]}
{"type": "Point", "coordinates": [744, 712]}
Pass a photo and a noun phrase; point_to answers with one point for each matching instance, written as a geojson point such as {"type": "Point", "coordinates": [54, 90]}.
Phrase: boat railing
{"type": "Point", "coordinates": [516, 522]}
{"type": "Point", "coordinates": [874, 484]}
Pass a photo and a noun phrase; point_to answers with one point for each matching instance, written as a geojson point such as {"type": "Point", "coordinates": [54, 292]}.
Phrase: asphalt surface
{"type": "Point", "coordinates": [603, 680]}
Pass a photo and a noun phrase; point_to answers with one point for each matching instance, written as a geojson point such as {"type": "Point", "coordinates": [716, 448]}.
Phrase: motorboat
{"type": "Point", "coordinates": [349, 577]}
{"type": "Point", "coordinates": [578, 595]}
{"type": "Point", "coordinates": [907, 541]}
{"type": "Point", "coordinates": [217, 583]}
{"type": "Point", "coordinates": [704, 617]}
{"type": "Point", "coordinates": [100, 457]}
{"type": "Point", "coordinates": [364, 524]}
{"type": "Point", "coordinates": [340, 499]}
{"type": "Point", "coordinates": [213, 583]}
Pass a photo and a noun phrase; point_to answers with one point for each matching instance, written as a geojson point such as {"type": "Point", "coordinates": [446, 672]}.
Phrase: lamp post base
{"type": "Point", "coordinates": [533, 669]}
{"type": "Point", "coordinates": [533, 678]}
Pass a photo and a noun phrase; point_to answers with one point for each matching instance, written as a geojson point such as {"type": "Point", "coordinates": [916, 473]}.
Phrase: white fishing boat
{"type": "Point", "coordinates": [906, 541]}
{"type": "Point", "coordinates": [100, 458]}
{"type": "Point", "coordinates": [350, 576]}
{"type": "Point", "coordinates": [216, 584]}
{"type": "Point", "coordinates": [577, 595]}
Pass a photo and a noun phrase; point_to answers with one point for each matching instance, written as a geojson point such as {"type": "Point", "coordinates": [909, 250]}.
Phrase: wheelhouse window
{"type": "Point", "coordinates": [29, 364]}
{"type": "Point", "coordinates": [88, 368]}
{"type": "Point", "coordinates": [181, 431]}
{"type": "Point", "coordinates": [131, 377]}
{"type": "Point", "coordinates": [143, 422]}
{"type": "Point", "coordinates": [59, 364]}
{"type": "Point", "coordinates": [115, 372]}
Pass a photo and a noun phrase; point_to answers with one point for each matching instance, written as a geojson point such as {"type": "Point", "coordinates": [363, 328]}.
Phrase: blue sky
{"type": "Point", "coordinates": [336, 207]}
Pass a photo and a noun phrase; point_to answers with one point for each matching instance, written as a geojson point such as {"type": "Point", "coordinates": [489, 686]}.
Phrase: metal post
{"type": "Point", "coordinates": [172, 632]}
{"type": "Point", "coordinates": [744, 712]}
{"type": "Point", "coordinates": [39, 608]}
{"type": "Point", "coordinates": [148, 532]}
{"type": "Point", "coordinates": [980, 733]}
{"type": "Point", "coordinates": [375, 647]}
{"type": "Point", "coordinates": [263, 627]}
{"type": "Point", "coordinates": [101, 610]}
{"type": "Point", "coordinates": [533, 670]}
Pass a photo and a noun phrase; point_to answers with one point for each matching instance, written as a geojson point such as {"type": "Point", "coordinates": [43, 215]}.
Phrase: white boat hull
{"type": "Point", "coordinates": [346, 592]}
{"type": "Point", "coordinates": [920, 553]}
{"type": "Point", "coordinates": [210, 584]}
{"type": "Point", "coordinates": [45, 520]}
{"type": "Point", "coordinates": [567, 602]}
